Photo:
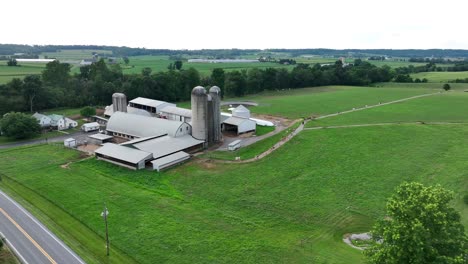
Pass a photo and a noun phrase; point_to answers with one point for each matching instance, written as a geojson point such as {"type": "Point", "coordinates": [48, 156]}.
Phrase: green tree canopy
{"type": "Point", "coordinates": [420, 227]}
{"type": "Point", "coordinates": [12, 62]}
{"type": "Point", "coordinates": [19, 125]}
{"type": "Point", "coordinates": [446, 87]}
{"type": "Point", "coordinates": [88, 111]}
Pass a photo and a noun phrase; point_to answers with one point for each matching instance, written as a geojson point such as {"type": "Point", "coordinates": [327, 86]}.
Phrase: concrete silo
{"type": "Point", "coordinates": [215, 109]}
{"type": "Point", "coordinates": [119, 102]}
{"type": "Point", "coordinates": [199, 113]}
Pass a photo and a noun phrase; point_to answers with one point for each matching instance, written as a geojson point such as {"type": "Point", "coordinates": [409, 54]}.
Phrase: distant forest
{"type": "Point", "coordinates": [10, 49]}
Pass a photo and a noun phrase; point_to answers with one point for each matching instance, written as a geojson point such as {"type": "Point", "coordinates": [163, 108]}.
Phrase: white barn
{"type": "Point", "coordinates": [132, 126]}
{"type": "Point", "coordinates": [239, 125]}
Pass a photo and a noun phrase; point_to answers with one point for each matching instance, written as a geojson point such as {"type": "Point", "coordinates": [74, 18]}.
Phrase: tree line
{"type": "Point", "coordinates": [95, 83]}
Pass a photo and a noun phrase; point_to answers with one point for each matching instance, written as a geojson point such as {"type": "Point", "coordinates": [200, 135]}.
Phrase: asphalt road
{"type": "Point", "coordinates": [79, 136]}
{"type": "Point", "coordinates": [34, 242]}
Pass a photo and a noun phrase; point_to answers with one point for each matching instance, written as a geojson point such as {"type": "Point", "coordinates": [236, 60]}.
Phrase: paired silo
{"type": "Point", "coordinates": [119, 102]}
{"type": "Point", "coordinates": [215, 109]}
{"type": "Point", "coordinates": [199, 101]}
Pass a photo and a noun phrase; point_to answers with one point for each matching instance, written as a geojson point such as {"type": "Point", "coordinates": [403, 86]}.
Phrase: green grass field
{"type": "Point", "coordinates": [293, 206]}
{"type": "Point", "coordinates": [306, 102]}
{"type": "Point", "coordinates": [7, 73]}
{"type": "Point", "coordinates": [440, 77]}
{"type": "Point", "coordinates": [445, 107]}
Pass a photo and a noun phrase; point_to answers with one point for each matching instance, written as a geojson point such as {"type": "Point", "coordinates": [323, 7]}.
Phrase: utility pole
{"type": "Point", "coordinates": [104, 215]}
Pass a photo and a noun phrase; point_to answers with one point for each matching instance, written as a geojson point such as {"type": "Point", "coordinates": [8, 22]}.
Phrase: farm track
{"type": "Point", "coordinates": [302, 127]}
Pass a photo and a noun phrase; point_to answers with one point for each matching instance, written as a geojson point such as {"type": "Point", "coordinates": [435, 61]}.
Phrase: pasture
{"type": "Point", "coordinates": [440, 77]}
{"type": "Point", "coordinates": [315, 101]}
{"type": "Point", "coordinates": [449, 107]}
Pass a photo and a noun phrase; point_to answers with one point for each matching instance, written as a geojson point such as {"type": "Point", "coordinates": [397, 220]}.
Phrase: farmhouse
{"type": "Point", "coordinates": [44, 121]}
{"type": "Point", "coordinates": [58, 122]}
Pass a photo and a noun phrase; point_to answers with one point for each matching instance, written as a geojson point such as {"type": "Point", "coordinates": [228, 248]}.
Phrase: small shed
{"type": "Point", "coordinates": [90, 127]}
{"type": "Point", "coordinates": [239, 125]}
{"type": "Point", "coordinates": [234, 145]}
{"type": "Point", "coordinates": [99, 139]}
{"type": "Point", "coordinates": [170, 160]}
{"type": "Point", "coordinates": [241, 111]}
{"type": "Point", "coordinates": [70, 143]}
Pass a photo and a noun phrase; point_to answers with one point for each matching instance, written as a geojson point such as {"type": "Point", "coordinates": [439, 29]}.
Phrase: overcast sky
{"type": "Point", "coordinates": [207, 24]}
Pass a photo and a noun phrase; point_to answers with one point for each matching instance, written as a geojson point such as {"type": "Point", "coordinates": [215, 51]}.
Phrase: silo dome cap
{"type": "Point", "coordinates": [215, 89]}
{"type": "Point", "coordinates": [199, 90]}
{"type": "Point", "coordinates": [118, 95]}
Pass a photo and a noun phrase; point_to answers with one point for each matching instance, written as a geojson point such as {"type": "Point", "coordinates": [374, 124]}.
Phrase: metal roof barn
{"type": "Point", "coordinates": [163, 146]}
{"type": "Point", "coordinates": [170, 160]}
{"type": "Point", "coordinates": [123, 156]}
{"type": "Point", "coordinates": [143, 126]}
{"type": "Point", "coordinates": [240, 125]}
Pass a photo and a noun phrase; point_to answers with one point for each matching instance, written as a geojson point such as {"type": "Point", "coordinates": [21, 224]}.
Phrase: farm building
{"type": "Point", "coordinates": [132, 126]}
{"type": "Point", "coordinates": [44, 121]}
{"type": "Point", "coordinates": [239, 125]}
{"type": "Point", "coordinates": [55, 121]}
{"type": "Point", "coordinates": [61, 123]}
{"type": "Point", "coordinates": [241, 111]}
{"type": "Point", "coordinates": [152, 106]}
{"type": "Point", "coordinates": [99, 139]}
{"type": "Point", "coordinates": [170, 160]}
{"type": "Point", "coordinates": [176, 113]}
{"type": "Point", "coordinates": [123, 156]}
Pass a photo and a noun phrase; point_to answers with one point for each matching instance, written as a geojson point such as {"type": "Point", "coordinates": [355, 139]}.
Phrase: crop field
{"type": "Point", "coordinates": [316, 101]}
{"type": "Point", "coordinates": [74, 54]}
{"type": "Point", "coordinates": [445, 107]}
{"type": "Point", "coordinates": [440, 76]}
{"type": "Point", "coordinates": [8, 73]}
{"type": "Point", "coordinates": [160, 63]}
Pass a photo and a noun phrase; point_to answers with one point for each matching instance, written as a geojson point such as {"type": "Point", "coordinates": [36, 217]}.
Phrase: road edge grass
{"type": "Point", "coordinates": [81, 239]}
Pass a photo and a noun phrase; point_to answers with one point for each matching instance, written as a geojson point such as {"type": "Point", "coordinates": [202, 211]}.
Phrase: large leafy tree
{"type": "Point", "coordinates": [420, 227]}
{"type": "Point", "coordinates": [19, 125]}
{"type": "Point", "coordinates": [32, 88]}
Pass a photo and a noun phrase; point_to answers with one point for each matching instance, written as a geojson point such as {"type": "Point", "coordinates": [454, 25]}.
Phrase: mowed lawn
{"type": "Point", "coordinates": [440, 76]}
{"type": "Point", "coordinates": [318, 101]}
{"type": "Point", "coordinates": [444, 107]}
{"type": "Point", "coordinates": [292, 207]}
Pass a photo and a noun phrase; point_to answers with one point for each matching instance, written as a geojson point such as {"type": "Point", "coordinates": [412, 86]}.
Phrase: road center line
{"type": "Point", "coordinates": [28, 236]}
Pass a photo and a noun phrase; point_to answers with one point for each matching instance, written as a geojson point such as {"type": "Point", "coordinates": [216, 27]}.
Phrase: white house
{"type": "Point", "coordinates": [43, 120]}
{"type": "Point", "coordinates": [61, 123]}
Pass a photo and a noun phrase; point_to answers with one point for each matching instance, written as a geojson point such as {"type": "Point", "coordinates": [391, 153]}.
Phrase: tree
{"type": "Point", "coordinates": [88, 111]}
{"type": "Point", "coordinates": [446, 87]}
{"type": "Point", "coordinates": [32, 87]}
{"type": "Point", "coordinates": [126, 60]}
{"type": "Point", "coordinates": [178, 64]}
{"type": "Point", "coordinates": [420, 227]}
{"type": "Point", "coordinates": [19, 125]}
{"type": "Point", "coordinates": [12, 62]}
{"type": "Point", "coordinates": [56, 73]}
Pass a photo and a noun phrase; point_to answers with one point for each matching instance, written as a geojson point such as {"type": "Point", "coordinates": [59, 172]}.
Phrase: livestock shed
{"type": "Point", "coordinates": [163, 146]}
{"type": "Point", "coordinates": [176, 113]}
{"type": "Point", "coordinates": [70, 143]}
{"type": "Point", "coordinates": [239, 125]}
{"type": "Point", "coordinates": [171, 160]}
{"type": "Point", "coordinates": [132, 126]}
{"type": "Point", "coordinates": [150, 105]}
{"type": "Point", "coordinates": [123, 156]}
